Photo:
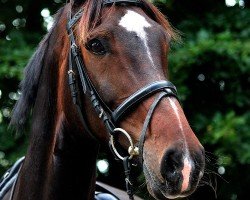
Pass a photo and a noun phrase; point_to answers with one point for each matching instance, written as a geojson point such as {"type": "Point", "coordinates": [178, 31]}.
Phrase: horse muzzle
{"type": "Point", "coordinates": [178, 174]}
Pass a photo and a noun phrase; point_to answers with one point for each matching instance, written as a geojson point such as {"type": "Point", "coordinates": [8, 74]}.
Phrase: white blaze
{"type": "Point", "coordinates": [134, 22]}
{"type": "Point", "coordinates": [187, 168]}
{"type": "Point", "coordinates": [176, 111]}
{"type": "Point", "coordinates": [186, 174]}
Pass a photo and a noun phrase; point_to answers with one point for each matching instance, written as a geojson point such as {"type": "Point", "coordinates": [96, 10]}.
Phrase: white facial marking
{"type": "Point", "coordinates": [186, 174]}
{"type": "Point", "coordinates": [187, 168]}
{"type": "Point", "coordinates": [134, 22]}
{"type": "Point", "coordinates": [176, 111]}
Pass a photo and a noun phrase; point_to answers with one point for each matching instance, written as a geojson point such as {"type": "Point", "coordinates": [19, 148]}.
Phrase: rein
{"type": "Point", "coordinates": [107, 116]}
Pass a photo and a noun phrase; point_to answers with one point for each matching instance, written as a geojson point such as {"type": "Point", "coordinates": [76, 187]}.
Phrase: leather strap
{"type": "Point", "coordinates": [9, 180]}
{"type": "Point", "coordinates": [142, 94]}
{"type": "Point", "coordinates": [146, 123]}
{"type": "Point", "coordinates": [74, 19]}
{"type": "Point", "coordinates": [10, 173]}
{"type": "Point", "coordinates": [74, 88]}
{"type": "Point", "coordinates": [88, 88]}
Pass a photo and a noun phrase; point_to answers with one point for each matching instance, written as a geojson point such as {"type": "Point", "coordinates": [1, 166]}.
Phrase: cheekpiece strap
{"type": "Point", "coordinates": [74, 20]}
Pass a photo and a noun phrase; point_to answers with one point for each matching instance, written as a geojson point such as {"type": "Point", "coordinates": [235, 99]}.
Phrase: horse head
{"type": "Point", "coordinates": [124, 45]}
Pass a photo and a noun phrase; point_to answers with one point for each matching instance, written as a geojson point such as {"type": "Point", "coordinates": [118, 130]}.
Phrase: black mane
{"type": "Point", "coordinates": [30, 84]}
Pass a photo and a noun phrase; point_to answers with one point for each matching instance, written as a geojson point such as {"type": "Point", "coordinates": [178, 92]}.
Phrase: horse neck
{"type": "Point", "coordinates": [58, 166]}
{"type": "Point", "coordinates": [60, 161]}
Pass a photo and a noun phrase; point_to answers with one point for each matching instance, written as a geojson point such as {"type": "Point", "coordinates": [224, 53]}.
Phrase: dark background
{"type": "Point", "coordinates": [211, 69]}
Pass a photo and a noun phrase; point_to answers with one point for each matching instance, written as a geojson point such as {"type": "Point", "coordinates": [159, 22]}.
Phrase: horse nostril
{"type": "Point", "coordinates": [171, 164]}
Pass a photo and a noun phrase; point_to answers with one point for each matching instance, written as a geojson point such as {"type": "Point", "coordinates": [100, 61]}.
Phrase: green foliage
{"type": "Point", "coordinates": [222, 56]}
{"type": "Point", "coordinates": [14, 55]}
{"type": "Point", "coordinates": [231, 134]}
{"type": "Point", "coordinates": [211, 69]}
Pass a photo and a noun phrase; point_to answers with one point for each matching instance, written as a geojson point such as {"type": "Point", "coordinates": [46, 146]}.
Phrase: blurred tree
{"type": "Point", "coordinates": [21, 28]}
{"type": "Point", "coordinates": [211, 69]}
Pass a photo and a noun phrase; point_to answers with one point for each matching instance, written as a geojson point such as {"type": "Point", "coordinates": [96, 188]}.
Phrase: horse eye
{"type": "Point", "coordinates": [96, 47]}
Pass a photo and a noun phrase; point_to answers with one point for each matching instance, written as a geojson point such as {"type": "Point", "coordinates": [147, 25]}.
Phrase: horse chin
{"type": "Point", "coordinates": [160, 190]}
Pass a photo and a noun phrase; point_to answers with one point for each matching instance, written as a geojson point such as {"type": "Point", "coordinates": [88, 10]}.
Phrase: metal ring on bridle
{"type": "Point", "coordinates": [132, 150]}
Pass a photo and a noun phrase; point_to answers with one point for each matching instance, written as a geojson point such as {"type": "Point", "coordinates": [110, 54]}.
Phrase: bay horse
{"type": "Point", "coordinates": [104, 78]}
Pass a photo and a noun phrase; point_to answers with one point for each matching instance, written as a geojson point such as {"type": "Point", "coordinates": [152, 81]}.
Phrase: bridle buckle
{"type": "Point", "coordinates": [71, 72]}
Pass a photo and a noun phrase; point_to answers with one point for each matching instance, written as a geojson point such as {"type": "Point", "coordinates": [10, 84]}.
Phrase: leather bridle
{"type": "Point", "coordinates": [111, 118]}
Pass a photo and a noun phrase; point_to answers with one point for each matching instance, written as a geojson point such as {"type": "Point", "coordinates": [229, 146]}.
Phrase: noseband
{"type": "Point", "coordinates": [112, 118]}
